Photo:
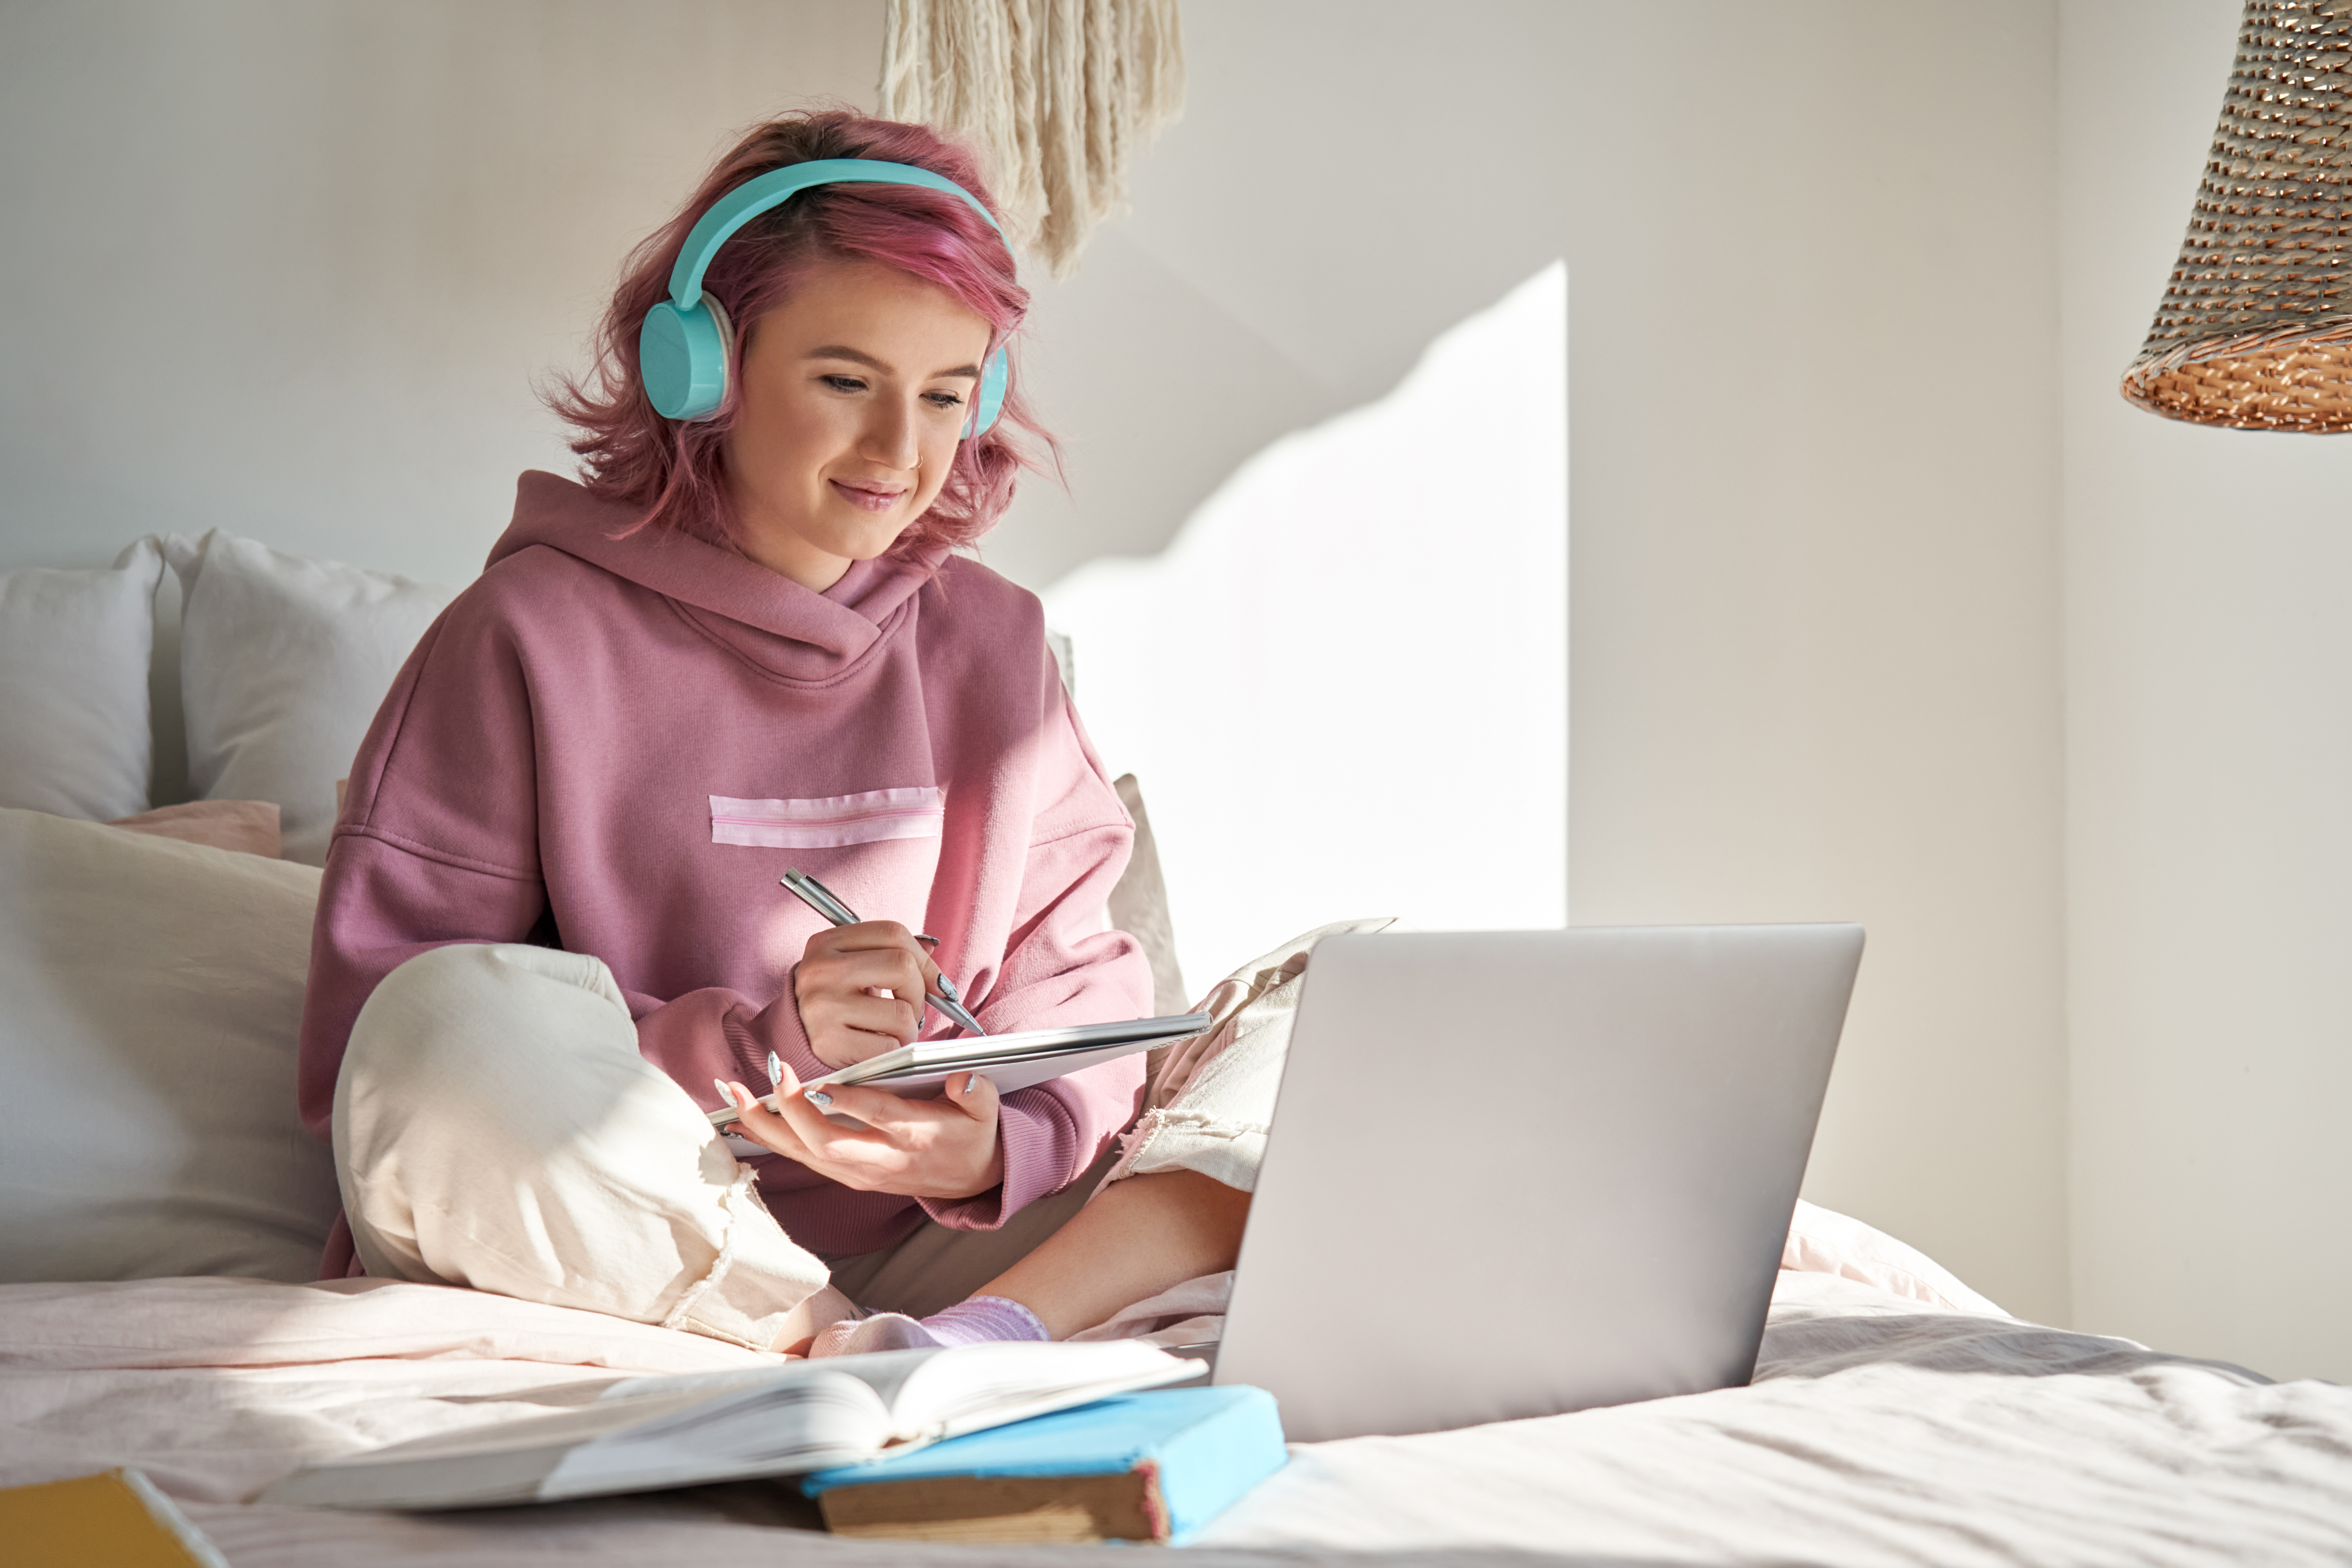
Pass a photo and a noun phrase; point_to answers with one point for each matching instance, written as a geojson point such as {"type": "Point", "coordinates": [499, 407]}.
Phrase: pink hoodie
{"type": "Point", "coordinates": [619, 745]}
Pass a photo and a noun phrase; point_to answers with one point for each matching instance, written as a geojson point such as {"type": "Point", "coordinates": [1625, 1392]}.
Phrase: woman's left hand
{"type": "Point", "coordinates": [943, 1148]}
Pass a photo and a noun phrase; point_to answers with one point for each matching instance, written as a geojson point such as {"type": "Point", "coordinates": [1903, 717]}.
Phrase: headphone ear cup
{"type": "Point", "coordinates": [682, 358]}
{"type": "Point", "coordinates": [989, 401]}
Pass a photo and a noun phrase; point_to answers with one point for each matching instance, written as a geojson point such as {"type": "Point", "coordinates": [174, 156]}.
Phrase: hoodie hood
{"type": "Point", "coordinates": [795, 631]}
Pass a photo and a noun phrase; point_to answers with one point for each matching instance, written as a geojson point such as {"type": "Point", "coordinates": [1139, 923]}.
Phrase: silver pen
{"type": "Point", "coordinates": [818, 897]}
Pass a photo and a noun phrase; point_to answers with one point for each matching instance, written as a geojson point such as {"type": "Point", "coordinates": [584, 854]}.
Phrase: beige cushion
{"type": "Point", "coordinates": [1138, 905]}
{"type": "Point", "coordinates": [1209, 1102]}
{"type": "Point", "coordinates": [153, 993]}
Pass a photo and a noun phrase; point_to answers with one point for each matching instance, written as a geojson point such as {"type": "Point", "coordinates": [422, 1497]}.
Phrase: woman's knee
{"type": "Point", "coordinates": [474, 1009]}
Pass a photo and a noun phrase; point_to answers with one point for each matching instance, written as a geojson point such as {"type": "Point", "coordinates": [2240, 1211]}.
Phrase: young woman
{"type": "Point", "coordinates": [550, 936]}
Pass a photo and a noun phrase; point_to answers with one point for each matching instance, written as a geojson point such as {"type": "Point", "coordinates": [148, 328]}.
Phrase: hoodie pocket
{"type": "Point", "coordinates": [831, 821]}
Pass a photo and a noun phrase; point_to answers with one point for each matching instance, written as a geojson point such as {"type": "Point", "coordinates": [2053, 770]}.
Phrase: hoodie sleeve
{"type": "Point", "coordinates": [438, 843]}
{"type": "Point", "coordinates": [1062, 964]}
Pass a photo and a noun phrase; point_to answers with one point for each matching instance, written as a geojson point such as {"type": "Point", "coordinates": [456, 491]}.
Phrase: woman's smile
{"type": "Point", "coordinates": [869, 495]}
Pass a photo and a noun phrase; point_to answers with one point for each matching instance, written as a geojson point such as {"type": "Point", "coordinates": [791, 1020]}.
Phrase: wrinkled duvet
{"type": "Point", "coordinates": [1882, 1428]}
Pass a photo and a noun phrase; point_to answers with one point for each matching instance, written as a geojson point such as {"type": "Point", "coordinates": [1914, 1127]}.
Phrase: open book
{"type": "Point", "coordinates": [1008, 1061]}
{"type": "Point", "coordinates": [645, 1433]}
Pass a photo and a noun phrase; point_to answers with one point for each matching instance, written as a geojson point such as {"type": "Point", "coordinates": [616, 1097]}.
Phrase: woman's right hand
{"type": "Point", "coordinates": [860, 989]}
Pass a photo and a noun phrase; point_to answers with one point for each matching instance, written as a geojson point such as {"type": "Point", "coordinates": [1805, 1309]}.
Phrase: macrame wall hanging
{"type": "Point", "coordinates": [2255, 330]}
{"type": "Point", "coordinates": [1056, 95]}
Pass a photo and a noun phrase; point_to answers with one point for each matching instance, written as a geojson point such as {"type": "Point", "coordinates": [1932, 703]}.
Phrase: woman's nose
{"type": "Point", "coordinates": [890, 437]}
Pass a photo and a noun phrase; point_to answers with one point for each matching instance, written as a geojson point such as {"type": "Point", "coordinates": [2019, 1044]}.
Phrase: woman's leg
{"type": "Point", "coordinates": [495, 1128]}
{"type": "Point", "coordinates": [1137, 1238]}
{"type": "Point", "coordinates": [935, 1266]}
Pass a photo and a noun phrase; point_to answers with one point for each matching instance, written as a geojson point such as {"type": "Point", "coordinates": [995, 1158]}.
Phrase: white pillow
{"type": "Point", "coordinates": [283, 663]}
{"type": "Point", "coordinates": [74, 647]}
{"type": "Point", "coordinates": [153, 996]}
{"type": "Point", "coordinates": [1824, 1241]}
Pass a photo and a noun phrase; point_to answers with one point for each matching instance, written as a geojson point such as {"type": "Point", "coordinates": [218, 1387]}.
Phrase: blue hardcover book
{"type": "Point", "coordinates": [1138, 1467]}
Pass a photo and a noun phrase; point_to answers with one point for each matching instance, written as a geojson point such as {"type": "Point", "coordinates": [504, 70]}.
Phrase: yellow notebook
{"type": "Point", "coordinates": [118, 1519]}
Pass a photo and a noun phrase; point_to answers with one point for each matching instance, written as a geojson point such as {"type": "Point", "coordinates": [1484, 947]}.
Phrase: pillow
{"type": "Point", "coordinates": [248, 827]}
{"type": "Point", "coordinates": [74, 647]}
{"type": "Point", "coordinates": [1824, 1241]}
{"type": "Point", "coordinates": [153, 995]}
{"type": "Point", "coordinates": [283, 663]}
{"type": "Point", "coordinates": [1138, 905]}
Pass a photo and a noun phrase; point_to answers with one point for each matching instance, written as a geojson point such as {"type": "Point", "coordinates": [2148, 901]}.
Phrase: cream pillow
{"type": "Point", "coordinates": [74, 647]}
{"type": "Point", "coordinates": [283, 663]}
{"type": "Point", "coordinates": [1138, 905]}
{"type": "Point", "coordinates": [152, 997]}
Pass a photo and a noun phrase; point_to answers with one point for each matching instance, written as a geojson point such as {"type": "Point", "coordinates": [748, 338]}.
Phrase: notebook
{"type": "Point", "coordinates": [1008, 1061]}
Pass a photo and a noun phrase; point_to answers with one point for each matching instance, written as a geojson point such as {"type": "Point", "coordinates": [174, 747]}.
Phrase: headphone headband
{"type": "Point", "coordinates": [683, 347]}
{"type": "Point", "coordinates": [747, 201]}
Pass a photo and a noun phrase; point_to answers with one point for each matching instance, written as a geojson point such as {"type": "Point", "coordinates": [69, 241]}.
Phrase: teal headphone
{"type": "Point", "coordinates": [682, 348]}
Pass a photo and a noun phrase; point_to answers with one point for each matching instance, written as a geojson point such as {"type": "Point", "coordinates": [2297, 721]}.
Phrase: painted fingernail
{"type": "Point", "coordinates": [724, 1092]}
{"type": "Point", "coordinates": [775, 1070]}
{"type": "Point", "coordinates": [926, 941]}
{"type": "Point", "coordinates": [818, 1097]}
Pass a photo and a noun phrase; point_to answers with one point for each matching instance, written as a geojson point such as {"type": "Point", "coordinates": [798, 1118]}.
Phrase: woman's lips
{"type": "Point", "coordinates": [876, 499]}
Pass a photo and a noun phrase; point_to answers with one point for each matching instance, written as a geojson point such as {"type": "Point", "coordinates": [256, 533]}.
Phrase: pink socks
{"type": "Point", "coordinates": [978, 1320]}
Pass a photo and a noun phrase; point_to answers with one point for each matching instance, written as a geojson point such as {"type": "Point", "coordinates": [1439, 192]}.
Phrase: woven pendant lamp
{"type": "Point", "coordinates": [2255, 330]}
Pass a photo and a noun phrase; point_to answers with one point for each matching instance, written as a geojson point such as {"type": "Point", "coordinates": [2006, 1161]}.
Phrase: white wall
{"type": "Point", "coordinates": [1814, 452]}
{"type": "Point", "coordinates": [292, 266]}
{"type": "Point", "coordinates": [1812, 247]}
{"type": "Point", "coordinates": [2209, 614]}
{"type": "Point", "coordinates": [1340, 708]}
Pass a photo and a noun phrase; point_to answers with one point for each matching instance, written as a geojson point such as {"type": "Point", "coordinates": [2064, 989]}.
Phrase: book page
{"type": "Point", "coordinates": [881, 1377]}
{"type": "Point", "coordinates": [789, 1419]}
{"type": "Point", "coordinates": [581, 1425]}
{"type": "Point", "coordinates": [825, 1418]}
{"type": "Point", "coordinates": [974, 1386]}
{"type": "Point", "coordinates": [648, 1432]}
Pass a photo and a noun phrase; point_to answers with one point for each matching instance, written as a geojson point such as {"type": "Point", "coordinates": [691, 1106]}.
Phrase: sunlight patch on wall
{"type": "Point", "coordinates": [1344, 686]}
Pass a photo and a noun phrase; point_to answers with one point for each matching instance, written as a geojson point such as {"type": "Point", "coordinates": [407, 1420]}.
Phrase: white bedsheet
{"type": "Point", "coordinates": [1880, 1430]}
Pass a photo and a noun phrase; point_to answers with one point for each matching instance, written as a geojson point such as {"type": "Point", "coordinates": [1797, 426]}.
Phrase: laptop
{"type": "Point", "coordinates": [1517, 1173]}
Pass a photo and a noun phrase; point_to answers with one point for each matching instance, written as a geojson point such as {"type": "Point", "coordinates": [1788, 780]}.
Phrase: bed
{"type": "Point", "coordinates": [160, 1212]}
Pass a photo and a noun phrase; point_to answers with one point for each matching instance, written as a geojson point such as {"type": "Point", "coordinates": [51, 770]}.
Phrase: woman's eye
{"type": "Point", "coordinates": [944, 400]}
{"type": "Point", "coordinates": [844, 383]}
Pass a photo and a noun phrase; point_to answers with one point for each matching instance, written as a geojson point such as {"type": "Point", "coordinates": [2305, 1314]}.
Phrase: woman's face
{"type": "Point", "coordinates": [855, 391]}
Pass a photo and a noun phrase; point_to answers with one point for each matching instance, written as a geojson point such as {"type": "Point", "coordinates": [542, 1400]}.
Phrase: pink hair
{"type": "Point", "coordinates": [673, 470]}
